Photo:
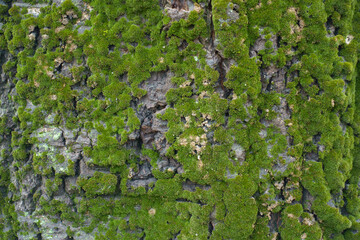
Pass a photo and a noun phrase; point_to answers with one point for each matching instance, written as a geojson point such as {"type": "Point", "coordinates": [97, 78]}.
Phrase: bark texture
{"type": "Point", "coordinates": [179, 119]}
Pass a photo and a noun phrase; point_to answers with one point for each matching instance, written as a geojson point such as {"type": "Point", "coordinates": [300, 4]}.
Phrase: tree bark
{"type": "Point", "coordinates": [179, 119]}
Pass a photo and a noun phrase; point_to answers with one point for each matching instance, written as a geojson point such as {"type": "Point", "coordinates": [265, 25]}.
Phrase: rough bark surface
{"type": "Point", "coordinates": [179, 119]}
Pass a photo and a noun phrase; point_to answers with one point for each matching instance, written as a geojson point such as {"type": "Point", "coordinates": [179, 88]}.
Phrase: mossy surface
{"type": "Point", "coordinates": [215, 119]}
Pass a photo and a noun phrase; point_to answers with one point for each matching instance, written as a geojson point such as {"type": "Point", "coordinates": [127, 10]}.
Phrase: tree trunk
{"type": "Point", "coordinates": [179, 119]}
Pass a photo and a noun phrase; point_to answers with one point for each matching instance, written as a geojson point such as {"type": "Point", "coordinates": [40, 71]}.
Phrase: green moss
{"type": "Point", "coordinates": [99, 184]}
{"type": "Point", "coordinates": [109, 153]}
{"type": "Point", "coordinates": [133, 34]}
{"type": "Point", "coordinates": [128, 42]}
{"type": "Point", "coordinates": [52, 185]}
{"type": "Point", "coordinates": [166, 188]}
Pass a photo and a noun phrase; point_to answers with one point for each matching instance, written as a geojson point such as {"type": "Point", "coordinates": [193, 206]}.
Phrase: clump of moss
{"type": "Point", "coordinates": [99, 184]}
